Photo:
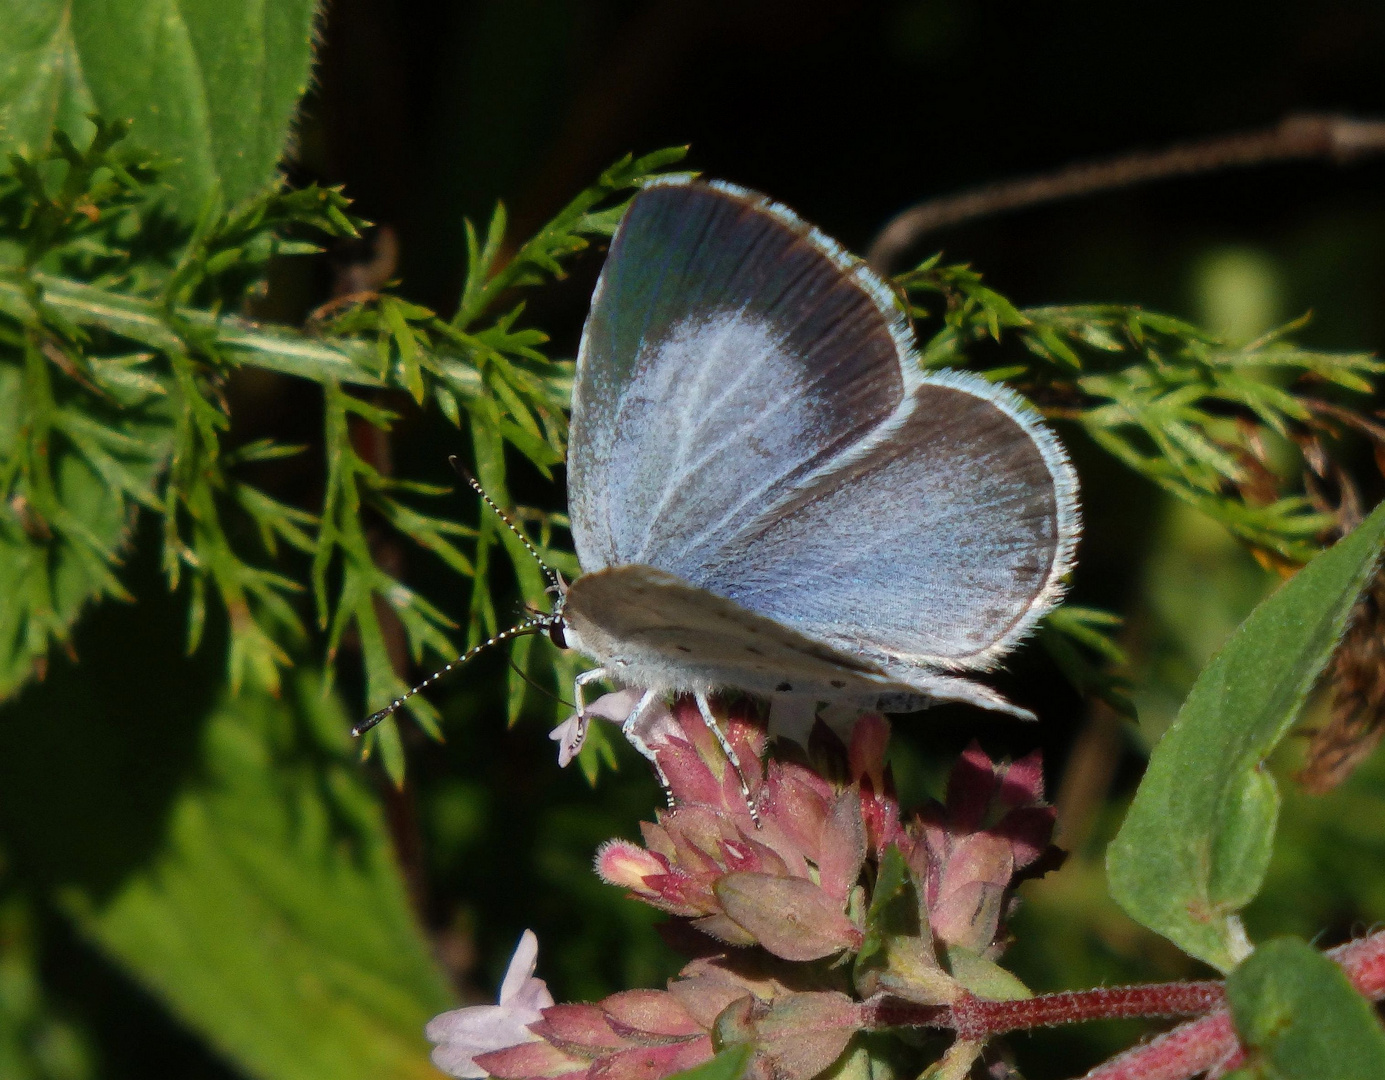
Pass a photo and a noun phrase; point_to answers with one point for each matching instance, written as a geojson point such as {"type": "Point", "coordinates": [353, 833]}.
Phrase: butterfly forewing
{"type": "Point", "coordinates": [730, 351]}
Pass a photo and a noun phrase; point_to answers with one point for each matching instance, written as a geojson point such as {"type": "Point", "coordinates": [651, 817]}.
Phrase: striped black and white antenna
{"type": "Point", "coordinates": [539, 623]}
{"type": "Point", "coordinates": [535, 625]}
{"type": "Point", "coordinates": [548, 571]}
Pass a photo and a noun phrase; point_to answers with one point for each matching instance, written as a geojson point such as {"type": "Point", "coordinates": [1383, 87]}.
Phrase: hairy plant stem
{"type": "Point", "coordinates": [976, 1019]}
{"type": "Point", "coordinates": [273, 348]}
{"type": "Point", "coordinates": [1208, 1042]}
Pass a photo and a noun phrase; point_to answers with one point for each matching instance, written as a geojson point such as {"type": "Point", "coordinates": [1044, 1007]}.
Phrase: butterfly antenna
{"type": "Point", "coordinates": [465, 474]}
{"type": "Point", "coordinates": [541, 689]}
{"type": "Point", "coordinates": [528, 626]}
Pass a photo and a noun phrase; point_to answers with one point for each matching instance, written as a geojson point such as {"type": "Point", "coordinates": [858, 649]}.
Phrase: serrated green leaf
{"type": "Point", "coordinates": [1196, 843]}
{"type": "Point", "coordinates": [210, 84]}
{"type": "Point", "coordinates": [1301, 1019]}
{"type": "Point", "coordinates": [271, 917]}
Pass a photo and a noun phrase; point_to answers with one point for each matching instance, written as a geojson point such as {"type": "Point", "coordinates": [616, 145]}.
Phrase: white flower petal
{"type": "Point", "coordinates": [569, 735]}
{"type": "Point", "coordinates": [462, 1035]}
{"type": "Point", "coordinates": [531, 1000]}
{"type": "Point", "coordinates": [522, 965]}
{"type": "Point", "coordinates": [457, 1061]}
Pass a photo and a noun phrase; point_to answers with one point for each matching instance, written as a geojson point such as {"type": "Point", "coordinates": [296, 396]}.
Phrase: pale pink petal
{"type": "Point", "coordinates": [615, 707]}
{"type": "Point", "coordinates": [572, 732]}
{"type": "Point", "coordinates": [522, 965]}
{"type": "Point", "coordinates": [462, 1035]}
{"type": "Point", "coordinates": [569, 735]}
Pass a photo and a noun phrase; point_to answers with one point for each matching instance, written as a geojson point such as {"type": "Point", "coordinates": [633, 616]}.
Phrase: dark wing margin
{"type": "Point", "coordinates": [731, 350]}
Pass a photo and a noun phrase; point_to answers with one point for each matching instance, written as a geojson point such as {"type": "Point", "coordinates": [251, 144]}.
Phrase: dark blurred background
{"type": "Point", "coordinates": [847, 112]}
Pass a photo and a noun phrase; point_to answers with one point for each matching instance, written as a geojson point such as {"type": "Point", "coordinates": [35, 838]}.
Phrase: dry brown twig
{"type": "Point", "coordinates": [1301, 137]}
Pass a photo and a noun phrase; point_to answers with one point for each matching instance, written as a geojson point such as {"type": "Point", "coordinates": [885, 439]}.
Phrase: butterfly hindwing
{"type": "Point", "coordinates": [939, 544]}
{"type": "Point", "coordinates": [653, 629]}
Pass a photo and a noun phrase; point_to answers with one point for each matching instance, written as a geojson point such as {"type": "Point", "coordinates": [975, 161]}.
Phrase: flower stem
{"type": "Point", "coordinates": [974, 1018]}
{"type": "Point", "coordinates": [1188, 1050]}
{"type": "Point", "coordinates": [1210, 1042]}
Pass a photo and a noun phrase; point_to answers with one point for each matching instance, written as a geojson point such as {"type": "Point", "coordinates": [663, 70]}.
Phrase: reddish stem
{"type": "Point", "coordinates": [1185, 1051]}
{"type": "Point", "coordinates": [1208, 1043]}
{"type": "Point", "coordinates": [976, 1019]}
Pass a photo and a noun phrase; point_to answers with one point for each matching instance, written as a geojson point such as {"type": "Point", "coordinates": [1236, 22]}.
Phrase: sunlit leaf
{"type": "Point", "coordinates": [210, 84]}
{"type": "Point", "coordinates": [1300, 1019]}
{"type": "Point", "coordinates": [272, 917]}
{"type": "Point", "coordinates": [1196, 842]}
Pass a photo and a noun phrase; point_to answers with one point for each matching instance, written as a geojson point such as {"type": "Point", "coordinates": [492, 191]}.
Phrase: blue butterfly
{"type": "Point", "coordinates": [769, 494]}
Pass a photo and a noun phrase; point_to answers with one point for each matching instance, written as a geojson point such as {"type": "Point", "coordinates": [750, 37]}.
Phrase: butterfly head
{"type": "Point", "coordinates": [556, 628]}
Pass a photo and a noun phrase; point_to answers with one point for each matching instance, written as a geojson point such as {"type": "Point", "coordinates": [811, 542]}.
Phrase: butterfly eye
{"type": "Point", "coordinates": [555, 634]}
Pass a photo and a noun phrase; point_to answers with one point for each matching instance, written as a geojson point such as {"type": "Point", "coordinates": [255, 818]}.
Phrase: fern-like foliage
{"type": "Point", "coordinates": [1200, 418]}
{"type": "Point", "coordinates": [1244, 433]}
{"type": "Point", "coordinates": [116, 340]}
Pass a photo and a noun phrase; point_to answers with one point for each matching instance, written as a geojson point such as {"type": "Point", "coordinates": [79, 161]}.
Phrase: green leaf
{"type": "Point", "coordinates": [211, 84]}
{"type": "Point", "coordinates": [1196, 843]}
{"type": "Point", "coordinates": [896, 953]}
{"type": "Point", "coordinates": [41, 83]}
{"type": "Point", "coordinates": [1300, 1018]}
{"type": "Point", "coordinates": [36, 1041]}
{"type": "Point", "coordinates": [893, 912]}
{"type": "Point", "coordinates": [984, 978]}
{"type": "Point", "coordinates": [272, 917]}
{"type": "Point", "coordinates": [730, 1064]}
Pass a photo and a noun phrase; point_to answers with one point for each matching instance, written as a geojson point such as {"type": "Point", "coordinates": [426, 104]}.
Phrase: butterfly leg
{"type": "Point", "coordinates": [633, 730]}
{"type": "Point", "coordinates": [575, 738]}
{"type": "Point", "coordinates": [704, 706]}
{"type": "Point", "coordinates": [579, 683]}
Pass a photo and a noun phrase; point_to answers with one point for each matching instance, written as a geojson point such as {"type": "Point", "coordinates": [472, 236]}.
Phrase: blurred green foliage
{"type": "Point", "coordinates": [214, 843]}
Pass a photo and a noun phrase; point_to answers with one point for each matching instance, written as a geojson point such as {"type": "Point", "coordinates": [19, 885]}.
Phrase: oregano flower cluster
{"type": "Point", "coordinates": [803, 906]}
{"type": "Point", "coordinates": [830, 931]}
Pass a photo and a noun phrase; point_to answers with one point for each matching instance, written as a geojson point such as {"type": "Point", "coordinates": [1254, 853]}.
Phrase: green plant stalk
{"type": "Point", "coordinates": [280, 349]}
